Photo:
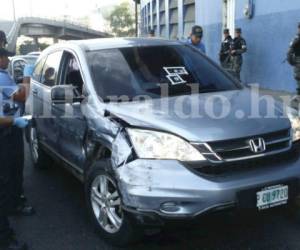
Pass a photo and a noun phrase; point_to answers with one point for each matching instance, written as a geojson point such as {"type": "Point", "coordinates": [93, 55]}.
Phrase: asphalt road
{"type": "Point", "coordinates": [62, 222]}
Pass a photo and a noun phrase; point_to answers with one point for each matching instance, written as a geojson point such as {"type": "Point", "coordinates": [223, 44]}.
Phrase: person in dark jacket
{"type": "Point", "coordinates": [226, 50]}
{"type": "Point", "coordinates": [238, 48]}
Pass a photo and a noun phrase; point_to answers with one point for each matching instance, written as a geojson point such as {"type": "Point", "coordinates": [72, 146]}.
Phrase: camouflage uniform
{"type": "Point", "coordinates": [225, 53]}
{"type": "Point", "coordinates": [240, 46]}
{"type": "Point", "coordinates": [294, 59]}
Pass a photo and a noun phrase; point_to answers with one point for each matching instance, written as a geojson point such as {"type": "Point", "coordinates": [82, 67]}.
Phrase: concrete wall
{"type": "Point", "coordinates": [268, 35]}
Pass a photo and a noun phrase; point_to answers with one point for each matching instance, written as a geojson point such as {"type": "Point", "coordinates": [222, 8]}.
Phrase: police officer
{"type": "Point", "coordinates": [226, 50]}
{"type": "Point", "coordinates": [196, 38]}
{"type": "Point", "coordinates": [21, 208]}
{"type": "Point", "coordinates": [238, 48]}
{"type": "Point", "coordinates": [293, 58]}
{"type": "Point", "coordinates": [9, 121]}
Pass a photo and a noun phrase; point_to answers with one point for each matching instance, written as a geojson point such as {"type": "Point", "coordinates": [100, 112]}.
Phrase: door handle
{"type": "Point", "coordinates": [35, 92]}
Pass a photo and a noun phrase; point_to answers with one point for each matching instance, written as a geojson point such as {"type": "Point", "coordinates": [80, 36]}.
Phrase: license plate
{"type": "Point", "coordinates": [272, 197]}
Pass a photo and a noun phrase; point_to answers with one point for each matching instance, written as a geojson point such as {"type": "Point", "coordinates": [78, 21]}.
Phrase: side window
{"type": "Point", "coordinates": [51, 68]}
{"type": "Point", "coordinates": [71, 74]}
{"type": "Point", "coordinates": [37, 73]}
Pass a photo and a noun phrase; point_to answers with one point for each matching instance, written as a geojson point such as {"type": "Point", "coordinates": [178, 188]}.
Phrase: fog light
{"type": "Point", "coordinates": [169, 207]}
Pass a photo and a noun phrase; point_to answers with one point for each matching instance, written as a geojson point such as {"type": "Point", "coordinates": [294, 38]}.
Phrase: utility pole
{"type": "Point", "coordinates": [136, 17]}
{"type": "Point", "coordinates": [14, 10]}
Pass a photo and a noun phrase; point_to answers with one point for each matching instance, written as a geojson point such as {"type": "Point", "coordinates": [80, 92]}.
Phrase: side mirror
{"type": "Point", "coordinates": [62, 94]}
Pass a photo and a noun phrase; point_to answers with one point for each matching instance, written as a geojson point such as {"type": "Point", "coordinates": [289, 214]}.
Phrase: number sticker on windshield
{"type": "Point", "coordinates": [174, 74]}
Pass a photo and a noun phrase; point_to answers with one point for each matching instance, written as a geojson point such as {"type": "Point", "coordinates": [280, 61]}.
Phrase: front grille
{"type": "Point", "coordinates": [240, 149]}
{"type": "Point", "coordinates": [227, 168]}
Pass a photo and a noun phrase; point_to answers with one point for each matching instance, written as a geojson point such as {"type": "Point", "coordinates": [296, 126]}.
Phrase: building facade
{"type": "Point", "coordinates": [268, 26]}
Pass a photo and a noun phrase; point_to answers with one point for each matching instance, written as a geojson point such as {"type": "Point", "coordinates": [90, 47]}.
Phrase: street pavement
{"type": "Point", "coordinates": [62, 223]}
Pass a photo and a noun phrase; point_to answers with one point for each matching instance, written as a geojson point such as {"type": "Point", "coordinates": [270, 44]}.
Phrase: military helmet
{"type": "Point", "coordinates": [226, 31]}
{"type": "Point", "coordinates": [238, 30]}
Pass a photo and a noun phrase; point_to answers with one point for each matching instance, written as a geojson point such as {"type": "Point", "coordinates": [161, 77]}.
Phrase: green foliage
{"type": "Point", "coordinates": [29, 46]}
{"type": "Point", "coordinates": [122, 20]}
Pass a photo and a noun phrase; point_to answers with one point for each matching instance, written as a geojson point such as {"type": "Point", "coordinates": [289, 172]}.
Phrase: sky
{"type": "Point", "coordinates": [74, 9]}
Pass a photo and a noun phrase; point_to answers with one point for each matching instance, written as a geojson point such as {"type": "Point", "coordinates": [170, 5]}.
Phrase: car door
{"type": "Point", "coordinates": [70, 118]}
{"type": "Point", "coordinates": [45, 76]}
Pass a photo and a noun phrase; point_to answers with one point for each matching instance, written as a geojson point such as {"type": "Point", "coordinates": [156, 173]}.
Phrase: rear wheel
{"type": "Point", "coordinates": [39, 157]}
{"type": "Point", "coordinates": [105, 207]}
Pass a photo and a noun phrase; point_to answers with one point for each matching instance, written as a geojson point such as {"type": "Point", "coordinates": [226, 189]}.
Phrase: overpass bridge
{"type": "Point", "coordinates": [36, 27]}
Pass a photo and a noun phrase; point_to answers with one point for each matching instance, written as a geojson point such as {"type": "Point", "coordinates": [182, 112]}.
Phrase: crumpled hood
{"type": "Point", "coordinates": [187, 116]}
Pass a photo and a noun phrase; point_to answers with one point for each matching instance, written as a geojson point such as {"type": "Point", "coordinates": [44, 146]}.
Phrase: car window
{"type": "Point", "coordinates": [71, 74]}
{"type": "Point", "coordinates": [37, 73]}
{"type": "Point", "coordinates": [143, 70]}
{"type": "Point", "coordinates": [51, 68]}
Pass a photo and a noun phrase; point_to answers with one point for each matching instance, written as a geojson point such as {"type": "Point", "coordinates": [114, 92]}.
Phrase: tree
{"type": "Point", "coordinates": [28, 46]}
{"type": "Point", "coordinates": [122, 20]}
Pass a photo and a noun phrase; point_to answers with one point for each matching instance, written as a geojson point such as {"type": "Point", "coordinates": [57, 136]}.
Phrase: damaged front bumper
{"type": "Point", "coordinates": [167, 189]}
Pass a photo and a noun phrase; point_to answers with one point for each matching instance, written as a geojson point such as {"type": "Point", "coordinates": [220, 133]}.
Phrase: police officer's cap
{"type": "Point", "coordinates": [3, 37]}
{"type": "Point", "coordinates": [226, 31]}
{"type": "Point", "coordinates": [197, 31]}
{"type": "Point", "coordinates": [4, 52]}
{"type": "Point", "coordinates": [238, 30]}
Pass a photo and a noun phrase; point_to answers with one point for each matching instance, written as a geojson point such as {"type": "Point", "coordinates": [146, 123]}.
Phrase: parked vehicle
{"type": "Point", "coordinates": [142, 163]}
{"type": "Point", "coordinates": [35, 53]}
{"type": "Point", "coordinates": [17, 65]}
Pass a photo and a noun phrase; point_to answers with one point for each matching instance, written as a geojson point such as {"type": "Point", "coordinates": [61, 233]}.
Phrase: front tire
{"type": "Point", "coordinates": [104, 204]}
{"type": "Point", "coordinates": [40, 159]}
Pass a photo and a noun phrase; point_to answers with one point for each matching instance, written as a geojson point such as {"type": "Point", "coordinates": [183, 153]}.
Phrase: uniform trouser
{"type": "Point", "coordinates": [8, 192]}
{"type": "Point", "coordinates": [237, 62]}
{"type": "Point", "coordinates": [226, 64]}
{"type": "Point", "coordinates": [18, 162]}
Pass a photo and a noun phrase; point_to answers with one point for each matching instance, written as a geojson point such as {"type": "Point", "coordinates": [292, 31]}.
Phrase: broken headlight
{"type": "Point", "coordinates": [295, 122]}
{"type": "Point", "coordinates": [150, 144]}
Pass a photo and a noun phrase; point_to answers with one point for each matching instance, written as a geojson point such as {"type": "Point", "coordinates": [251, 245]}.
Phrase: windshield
{"type": "Point", "coordinates": [150, 71]}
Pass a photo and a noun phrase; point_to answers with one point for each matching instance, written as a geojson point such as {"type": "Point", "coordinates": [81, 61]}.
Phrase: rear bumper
{"type": "Point", "coordinates": [169, 190]}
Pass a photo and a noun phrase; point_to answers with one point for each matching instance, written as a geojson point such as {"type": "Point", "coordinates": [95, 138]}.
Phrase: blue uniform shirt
{"type": "Point", "coordinates": [199, 46]}
{"type": "Point", "coordinates": [7, 89]}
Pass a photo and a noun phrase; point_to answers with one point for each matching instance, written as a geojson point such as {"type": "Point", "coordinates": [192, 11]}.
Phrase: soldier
{"type": "Point", "coordinates": [226, 50]}
{"type": "Point", "coordinates": [293, 58]}
{"type": "Point", "coordinates": [238, 48]}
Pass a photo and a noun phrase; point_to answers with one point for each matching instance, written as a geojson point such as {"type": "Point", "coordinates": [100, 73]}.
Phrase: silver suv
{"type": "Point", "coordinates": [157, 131]}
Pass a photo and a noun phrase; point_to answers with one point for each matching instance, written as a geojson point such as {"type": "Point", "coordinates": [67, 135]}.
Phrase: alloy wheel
{"type": "Point", "coordinates": [106, 204]}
